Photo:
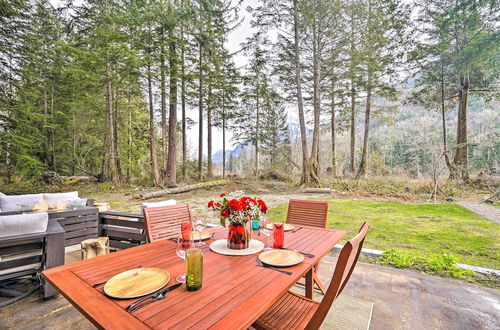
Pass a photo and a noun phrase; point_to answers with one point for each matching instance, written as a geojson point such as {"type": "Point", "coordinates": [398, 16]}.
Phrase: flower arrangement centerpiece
{"type": "Point", "coordinates": [238, 210]}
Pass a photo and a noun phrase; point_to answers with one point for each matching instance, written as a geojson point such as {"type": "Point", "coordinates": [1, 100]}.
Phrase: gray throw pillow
{"type": "Point", "coordinates": [19, 202]}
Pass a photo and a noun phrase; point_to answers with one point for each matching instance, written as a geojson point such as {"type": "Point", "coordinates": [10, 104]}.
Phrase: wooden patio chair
{"type": "Point", "coordinates": [164, 222]}
{"type": "Point", "coordinates": [309, 213]}
{"type": "Point", "coordinates": [293, 311]}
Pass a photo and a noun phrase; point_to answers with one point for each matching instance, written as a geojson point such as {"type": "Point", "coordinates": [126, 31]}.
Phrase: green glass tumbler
{"type": "Point", "coordinates": [194, 269]}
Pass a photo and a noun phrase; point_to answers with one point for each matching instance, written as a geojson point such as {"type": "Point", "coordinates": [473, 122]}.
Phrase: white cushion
{"type": "Point", "coordinates": [15, 203]}
{"type": "Point", "coordinates": [55, 200]}
{"type": "Point", "coordinates": [158, 204]}
{"type": "Point", "coordinates": [20, 224]}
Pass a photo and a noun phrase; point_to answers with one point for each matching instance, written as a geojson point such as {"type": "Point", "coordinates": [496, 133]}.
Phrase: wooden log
{"type": "Point", "coordinates": [318, 190]}
{"type": "Point", "coordinates": [179, 190]}
{"type": "Point", "coordinates": [76, 179]}
{"type": "Point", "coordinates": [94, 247]}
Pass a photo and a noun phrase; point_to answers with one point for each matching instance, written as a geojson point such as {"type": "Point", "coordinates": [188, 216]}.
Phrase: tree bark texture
{"type": "Point", "coordinates": [163, 96]}
{"type": "Point", "coordinates": [461, 161]}
{"type": "Point", "coordinates": [209, 132]}
{"type": "Point", "coordinates": [110, 170]}
{"type": "Point", "coordinates": [152, 132]}
{"type": "Point", "coordinates": [257, 134]}
{"type": "Point", "coordinates": [183, 107]}
{"type": "Point", "coordinates": [172, 125]}
{"type": "Point", "coordinates": [313, 165]}
{"type": "Point", "coordinates": [200, 112]}
{"type": "Point", "coordinates": [298, 86]}
{"type": "Point", "coordinates": [333, 124]}
{"type": "Point", "coordinates": [353, 101]}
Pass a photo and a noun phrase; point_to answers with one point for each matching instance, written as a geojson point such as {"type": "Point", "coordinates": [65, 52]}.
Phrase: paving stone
{"type": "Point", "coordinates": [484, 210]}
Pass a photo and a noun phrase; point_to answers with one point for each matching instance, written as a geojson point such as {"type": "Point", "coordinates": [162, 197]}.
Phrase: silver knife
{"type": "Point", "coordinates": [152, 296]}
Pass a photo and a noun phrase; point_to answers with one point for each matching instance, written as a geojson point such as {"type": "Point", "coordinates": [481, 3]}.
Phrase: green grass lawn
{"type": "Point", "coordinates": [426, 228]}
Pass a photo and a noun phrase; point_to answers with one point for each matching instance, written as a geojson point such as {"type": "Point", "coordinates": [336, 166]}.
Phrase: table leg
{"type": "Point", "coordinates": [309, 287]}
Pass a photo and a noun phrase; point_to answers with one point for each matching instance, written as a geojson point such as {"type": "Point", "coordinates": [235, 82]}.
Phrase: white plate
{"type": "Point", "coordinates": [220, 246]}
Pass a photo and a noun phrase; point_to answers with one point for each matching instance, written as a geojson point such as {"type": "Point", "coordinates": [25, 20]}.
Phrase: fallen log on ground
{"type": "Point", "coordinates": [318, 190]}
{"type": "Point", "coordinates": [178, 190]}
{"type": "Point", "coordinates": [78, 179]}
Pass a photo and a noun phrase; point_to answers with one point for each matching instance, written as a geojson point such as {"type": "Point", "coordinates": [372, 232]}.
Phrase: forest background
{"type": "Point", "coordinates": [135, 92]}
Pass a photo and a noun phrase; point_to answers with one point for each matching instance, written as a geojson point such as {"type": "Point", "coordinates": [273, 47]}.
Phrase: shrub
{"type": "Point", "coordinates": [436, 263]}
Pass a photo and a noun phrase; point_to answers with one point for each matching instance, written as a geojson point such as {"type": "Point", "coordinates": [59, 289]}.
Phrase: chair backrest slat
{"type": "Point", "coordinates": [164, 222]}
{"type": "Point", "coordinates": [345, 265]}
{"type": "Point", "coordinates": [307, 213]}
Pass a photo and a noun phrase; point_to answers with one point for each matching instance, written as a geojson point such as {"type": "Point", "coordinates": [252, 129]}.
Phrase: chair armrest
{"type": "Point", "coordinates": [120, 214]}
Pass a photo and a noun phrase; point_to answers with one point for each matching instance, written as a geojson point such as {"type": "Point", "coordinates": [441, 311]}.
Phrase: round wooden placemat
{"type": "Point", "coordinates": [281, 258]}
{"type": "Point", "coordinates": [288, 226]}
{"type": "Point", "coordinates": [136, 282]}
{"type": "Point", "coordinates": [220, 246]}
{"type": "Point", "coordinates": [204, 235]}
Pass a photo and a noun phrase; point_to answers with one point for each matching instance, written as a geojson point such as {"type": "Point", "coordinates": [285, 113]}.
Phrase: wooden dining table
{"type": "Point", "coordinates": [235, 291]}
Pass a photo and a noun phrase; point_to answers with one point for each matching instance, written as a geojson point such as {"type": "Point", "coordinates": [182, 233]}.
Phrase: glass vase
{"type": "Point", "coordinates": [238, 237]}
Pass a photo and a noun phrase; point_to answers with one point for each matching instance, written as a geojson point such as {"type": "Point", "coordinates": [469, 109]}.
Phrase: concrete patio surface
{"type": "Point", "coordinates": [402, 300]}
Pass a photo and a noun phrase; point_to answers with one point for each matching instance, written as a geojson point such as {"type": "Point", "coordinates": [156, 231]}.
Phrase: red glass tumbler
{"type": "Point", "coordinates": [279, 235]}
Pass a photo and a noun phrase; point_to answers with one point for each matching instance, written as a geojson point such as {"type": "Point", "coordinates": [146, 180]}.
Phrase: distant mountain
{"type": "Point", "coordinates": [217, 157]}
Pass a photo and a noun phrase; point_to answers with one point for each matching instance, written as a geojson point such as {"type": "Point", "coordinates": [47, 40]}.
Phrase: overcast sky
{"type": "Point", "coordinates": [235, 38]}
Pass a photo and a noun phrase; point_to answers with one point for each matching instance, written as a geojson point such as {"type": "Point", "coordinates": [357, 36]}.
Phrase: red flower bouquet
{"type": "Point", "coordinates": [238, 210]}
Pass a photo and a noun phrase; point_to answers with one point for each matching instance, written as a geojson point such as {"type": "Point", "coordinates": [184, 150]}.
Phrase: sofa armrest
{"type": "Point", "coordinates": [53, 228]}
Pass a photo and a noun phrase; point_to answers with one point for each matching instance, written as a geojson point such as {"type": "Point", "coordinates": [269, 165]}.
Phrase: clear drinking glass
{"type": "Point", "coordinates": [266, 228]}
{"type": "Point", "coordinates": [183, 244]}
{"type": "Point", "coordinates": [200, 225]}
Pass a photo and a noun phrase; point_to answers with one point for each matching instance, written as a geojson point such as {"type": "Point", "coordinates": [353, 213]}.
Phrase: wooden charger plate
{"type": "Point", "coordinates": [281, 258]}
{"type": "Point", "coordinates": [204, 235]}
{"type": "Point", "coordinates": [288, 226]}
{"type": "Point", "coordinates": [136, 282]}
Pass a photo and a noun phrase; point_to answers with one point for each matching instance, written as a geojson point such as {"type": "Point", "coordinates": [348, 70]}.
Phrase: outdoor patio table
{"type": "Point", "coordinates": [235, 292]}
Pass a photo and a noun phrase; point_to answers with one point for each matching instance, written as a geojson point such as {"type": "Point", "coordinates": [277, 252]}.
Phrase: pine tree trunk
{"type": "Point", "coordinates": [223, 136]}
{"type": "Point", "coordinates": [110, 164]}
{"type": "Point", "coordinates": [298, 86]}
{"type": "Point", "coordinates": [209, 132]}
{"type": "Point", "coordinates": [364, 153]}
{"type": "Point", "coordinates": [45, 131]}
{"type": "Point", "coordinates": [200, 113]}
{"type": "Point", "coordinates": [115, 125]}
{"type": "Point", "coordinates": [52, 159]}
{"type": "Point", "coordinates": [461, 160]}
{"type": "Point", "coordinates": [257, 133]}
{"type": "Point", "coordinates": [183, 105]}
{"type": "Point", "coordinates": [353, 101]}
{"type": "Point", "coordinates": [163, 96]}
{"type": "Point", "coordinates": [451, 169]}
{"type": "Point", "coordinates": [313, 164]}
{"type": "Point", "coordinates": [333, 124]}
{"type": "Point", "coordinates": [129, 137]}
{"type": "Point", "coordinates": [152, 132]}
{"type": "Point", "coordinates": [172, 125]}
{"type": "Point", "coordinates": [369, 89]}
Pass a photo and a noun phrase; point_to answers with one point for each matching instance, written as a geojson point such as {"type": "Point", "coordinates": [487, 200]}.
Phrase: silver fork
{"type": "Point", "coordinates": [158, 296]}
